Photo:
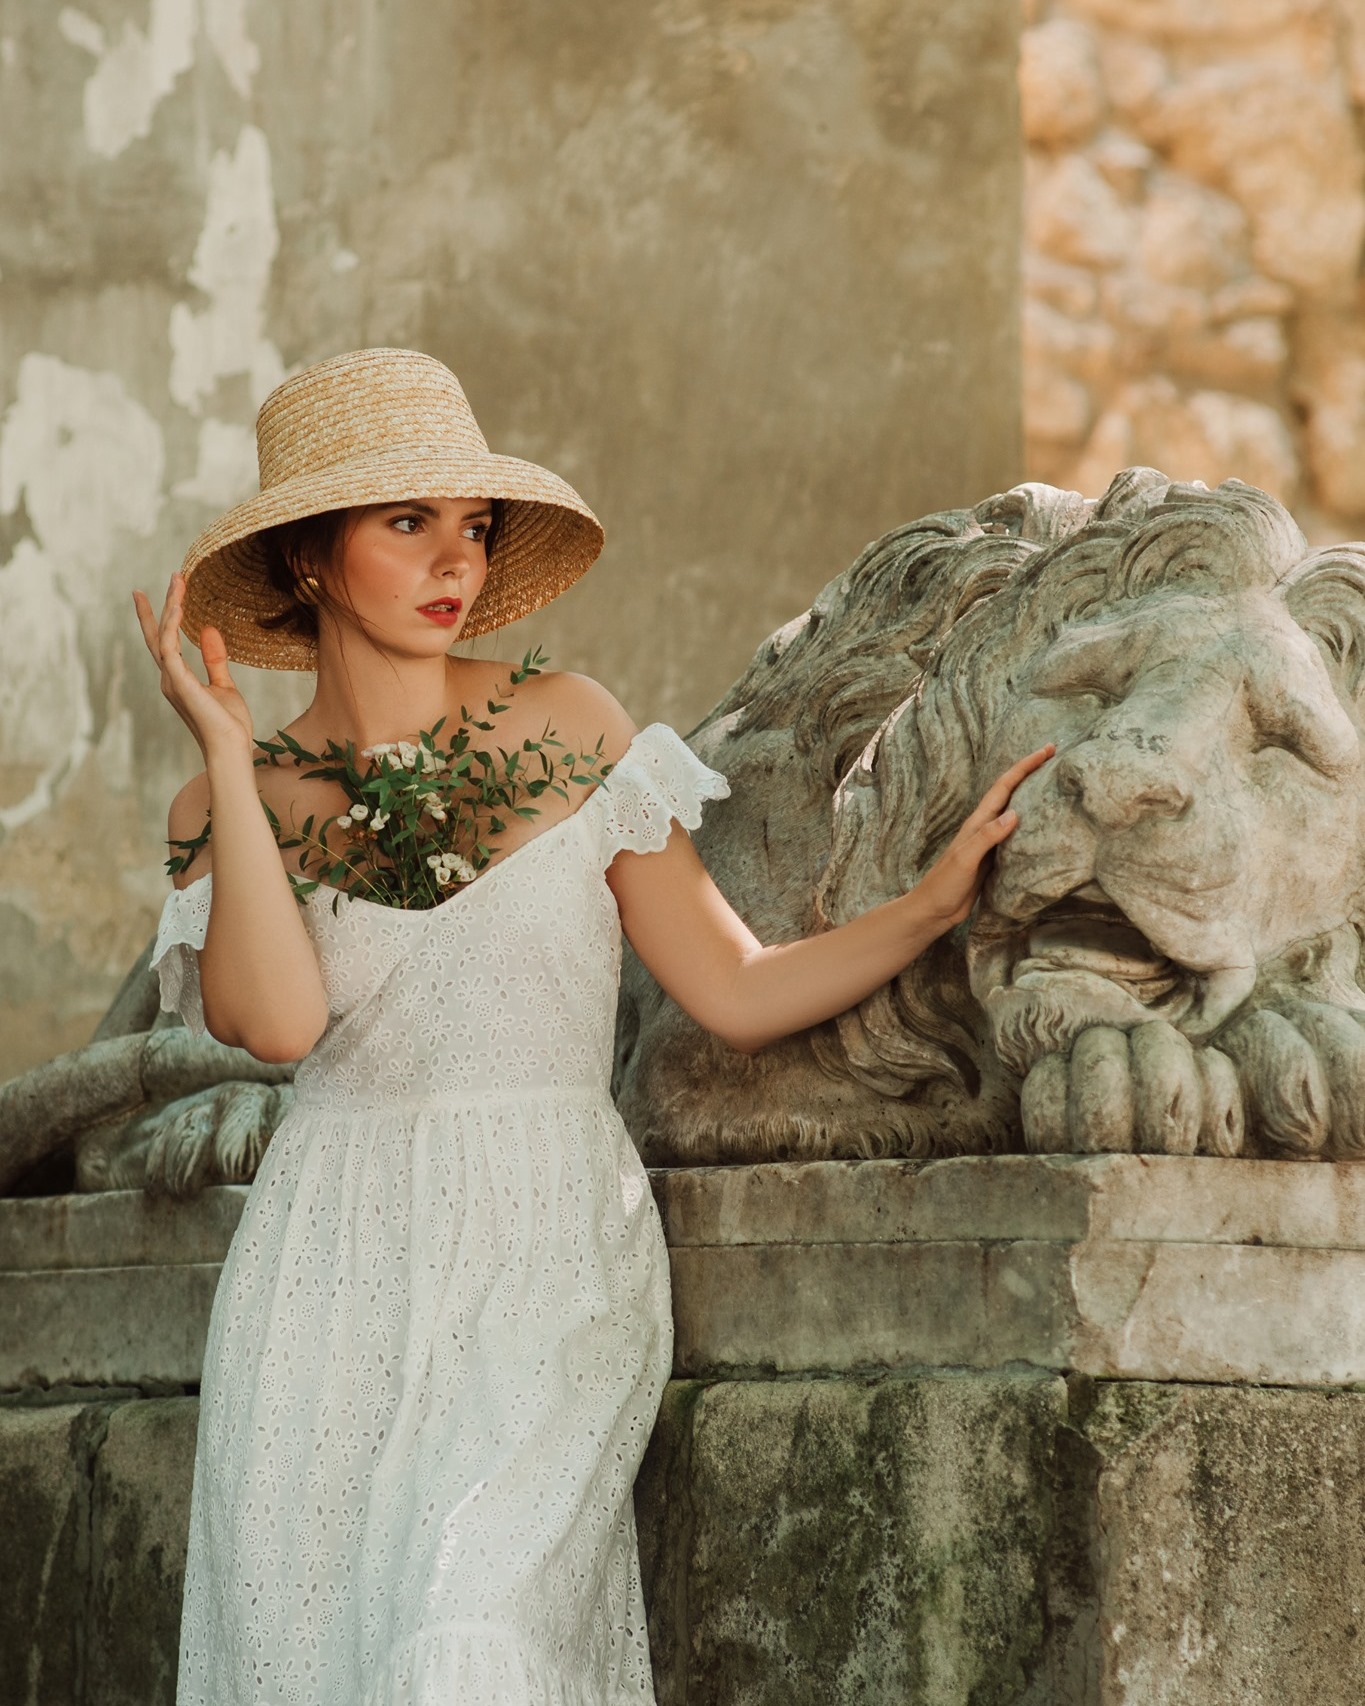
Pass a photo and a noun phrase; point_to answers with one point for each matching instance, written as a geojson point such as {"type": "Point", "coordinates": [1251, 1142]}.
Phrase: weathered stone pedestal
{"type": "Point", "coordinates": [997, 1432]}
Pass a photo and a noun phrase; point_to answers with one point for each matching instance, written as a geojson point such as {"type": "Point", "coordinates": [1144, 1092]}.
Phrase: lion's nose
{"type": "Point", "coordinates": [1117, 788]}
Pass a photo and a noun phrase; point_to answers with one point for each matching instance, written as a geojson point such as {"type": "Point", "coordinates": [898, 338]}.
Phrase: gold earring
{"type": "Point", "coordinates": [307, 590]}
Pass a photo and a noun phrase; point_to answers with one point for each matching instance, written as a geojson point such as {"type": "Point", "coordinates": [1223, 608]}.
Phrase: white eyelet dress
{"type": "Point", "coordinates": [443, 1327]}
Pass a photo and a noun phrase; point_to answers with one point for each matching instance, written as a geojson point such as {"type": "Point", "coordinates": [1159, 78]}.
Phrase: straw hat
{"type": "Point", "coordinates": [379, 426]}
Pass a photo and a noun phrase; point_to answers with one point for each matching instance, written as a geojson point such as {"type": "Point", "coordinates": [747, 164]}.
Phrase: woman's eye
{"type": "Point", "coordinates": [477, 530]}
{"type": "Point", "coordinates": [407, 523]}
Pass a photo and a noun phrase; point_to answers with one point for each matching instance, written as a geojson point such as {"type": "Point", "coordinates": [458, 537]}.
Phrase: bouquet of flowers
{"type": "Point", "coordinates": [421, 817]}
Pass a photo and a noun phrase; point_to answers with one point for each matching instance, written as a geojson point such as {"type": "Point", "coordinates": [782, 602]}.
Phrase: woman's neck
{"type": "Point", "coordinates": [366, 696]}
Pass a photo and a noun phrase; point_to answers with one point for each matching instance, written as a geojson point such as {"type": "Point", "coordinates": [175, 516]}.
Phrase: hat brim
{"type": "Point", "coordinates": [547, 537]}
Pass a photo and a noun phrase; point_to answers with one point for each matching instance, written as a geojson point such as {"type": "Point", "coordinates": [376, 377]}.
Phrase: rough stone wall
{"type": "Point", "coordinates": [942, 1539]}
{"type": "Point", "coordinates": [1194, 213]}
{"type": "Point", "coordinates": [745, 273]}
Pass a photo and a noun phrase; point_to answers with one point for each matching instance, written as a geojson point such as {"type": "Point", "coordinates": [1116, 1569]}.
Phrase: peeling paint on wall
{"type": "Point", "coordinates": [45, 719]}
{"type": "Point", "coordinates": [226, 470]}
{"type": "Point", "coordinates": [231, 265]}
{"type": "Point", "coordinates": [83, 456]}
{"type": "Point", "coordinates": [134, 72]}
{"type": "Point", "coordinates": [85, 461]}
{"type": "Point", "coordinates": [225, 24]}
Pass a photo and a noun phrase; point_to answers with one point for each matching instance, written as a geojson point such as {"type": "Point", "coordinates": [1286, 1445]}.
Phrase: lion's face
{"type": "Point", "coordinates": [1203, 814]}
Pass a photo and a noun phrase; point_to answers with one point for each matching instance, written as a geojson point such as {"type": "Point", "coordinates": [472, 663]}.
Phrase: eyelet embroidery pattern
{"type": "Point", "coordinates": [443, 1327]}
{"type": "Point", "coordinates": [180, 934]}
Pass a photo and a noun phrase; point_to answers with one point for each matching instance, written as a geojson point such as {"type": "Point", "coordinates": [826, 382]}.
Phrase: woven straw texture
{"type": "Point", "coordinates": [381, 426]}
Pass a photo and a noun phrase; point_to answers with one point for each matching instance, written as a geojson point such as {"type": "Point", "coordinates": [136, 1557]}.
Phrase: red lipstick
{"type": "Point", "coordinates": [444, 611]}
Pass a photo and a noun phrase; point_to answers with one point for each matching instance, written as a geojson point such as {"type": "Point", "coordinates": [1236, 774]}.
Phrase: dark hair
{"type": "Point", "coordinates": [312, 546]}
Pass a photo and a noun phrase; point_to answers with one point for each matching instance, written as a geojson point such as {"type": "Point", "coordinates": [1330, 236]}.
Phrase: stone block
{"type": "Point", "coordinates": [849, 1541]}
{"type": "Point", "coordinates": [110, 1288]}
{"type": "Point", "coordinates": [1220, 1542]}
{"type": "Point", "coordinates": [1285, 145]}
{"type": "Point", "coordinates": [44, 1517]}
{"type": "Point", "coordinates": [139, 1523]}
{"type": "Point", "coordinates": [1061, 96]}
{"type": "Point", "coordinates": [117, 1229]}
{"type": "Point", "coordinates": [946, 1538]}
{"type": "Point", "coordinates": [105, 1326]}
{"type": "Point", "coordinates": [1136, 1267]}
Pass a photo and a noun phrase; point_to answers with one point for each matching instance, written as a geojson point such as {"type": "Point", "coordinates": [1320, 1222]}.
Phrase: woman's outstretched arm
{"type": "Point", "coordinates": [259, 976]}
{"type": "Point", "coordinates": [710, 962]}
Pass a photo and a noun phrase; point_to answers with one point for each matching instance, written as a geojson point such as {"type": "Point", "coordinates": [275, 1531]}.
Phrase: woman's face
{"type": "Point", "coordinates": [412, 570]}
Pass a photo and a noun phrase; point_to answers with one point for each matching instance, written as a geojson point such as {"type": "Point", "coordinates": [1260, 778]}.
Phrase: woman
{"type": "Point", "coordinates": [443, 1328]}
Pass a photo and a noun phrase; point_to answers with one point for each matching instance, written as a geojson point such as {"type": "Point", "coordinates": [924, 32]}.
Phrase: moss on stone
{"type": "Point", "coordinates": [139, 1526]}
{"type": "Point", "coordinates": [44, 1516]}
{"type": "Point", "coordinates": [870, 1540]}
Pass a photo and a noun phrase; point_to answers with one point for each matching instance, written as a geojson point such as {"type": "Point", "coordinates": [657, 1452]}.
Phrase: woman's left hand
{"type": "Point", "coordinates": [951, 885]}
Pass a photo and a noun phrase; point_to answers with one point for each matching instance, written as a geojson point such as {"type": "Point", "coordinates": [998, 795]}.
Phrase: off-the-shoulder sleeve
{"type": "Point", "coordinates": [657, 780]}
{"type": "Point", "coordinates": [179, 937]}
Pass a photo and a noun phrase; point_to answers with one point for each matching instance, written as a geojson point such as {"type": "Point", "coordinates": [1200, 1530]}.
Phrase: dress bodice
{"type": "Point", "coordinates": [507, 988]}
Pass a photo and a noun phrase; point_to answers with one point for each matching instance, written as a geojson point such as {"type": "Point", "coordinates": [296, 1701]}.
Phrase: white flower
{"type": "Point", "coordinates": [436, 862]}
{"type": "Point", "coordinates": [437, 813]}
{"type": "Point", "coordinates": [429, 761]}
{"type": "Point", "coordinates": [359, 812]}
{"type": "Point", "coordinates": [379, 820]}
{"type": "Point", "coordinates": [444, 879]}
{"type": "Point", "coordinates": [383, 750]}
{"type": "Point", "coordinates": [458, 868]}
{"type": "Point", "coordinates": [407, 754]}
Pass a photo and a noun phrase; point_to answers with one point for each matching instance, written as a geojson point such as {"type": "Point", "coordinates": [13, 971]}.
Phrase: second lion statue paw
{"type": "Point", "coordinates": [212, 1137]}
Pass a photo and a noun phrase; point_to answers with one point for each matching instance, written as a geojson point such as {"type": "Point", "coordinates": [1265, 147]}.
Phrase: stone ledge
{"type": "Point", "coordinates": [105, 1326]}
{"type": "Point", "coordinates": [117, 1229]}
{"type": "Point", "coordinates": [1037, 1198]}
{"type": "Point", "coordinates": [1134, 1267]}
{"type": "Point", "coordinates": [1188, 1312]}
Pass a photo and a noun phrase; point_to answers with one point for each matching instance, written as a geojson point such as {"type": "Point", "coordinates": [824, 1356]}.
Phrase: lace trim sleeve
{"type": "Point", "coordinates": [657, 780]}
{"type": "Point", "coordinates": [179, 937]}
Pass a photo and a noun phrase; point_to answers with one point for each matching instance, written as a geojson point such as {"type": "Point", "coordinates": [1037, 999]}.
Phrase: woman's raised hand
{"type": "Point", "coordinates": [952, 883]}
{"type": "Point", "coordinates": [215, 713]}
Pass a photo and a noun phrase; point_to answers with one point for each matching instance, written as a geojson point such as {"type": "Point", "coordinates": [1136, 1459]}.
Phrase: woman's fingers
{"type": "Point", "coordinates": [213, 650]}
{"type": "Point", "coordinates": [146, 619]}
{"type": "Point", "coordinates": [997, 796]}
{"type": "Point", "coordinates": [163, 641]}
{"type": "Point", "coordinates": [170, 612]}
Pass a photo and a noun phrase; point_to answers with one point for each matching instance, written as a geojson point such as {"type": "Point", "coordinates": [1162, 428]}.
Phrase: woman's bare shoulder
{"type": "Point", "coordinates": [185, 821]}
{"type": "Point", "coordinates": [581, 711]}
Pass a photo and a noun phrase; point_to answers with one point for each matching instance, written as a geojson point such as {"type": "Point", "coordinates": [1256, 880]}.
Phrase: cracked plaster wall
{"type": "Point", "coordinates": [707, 258]}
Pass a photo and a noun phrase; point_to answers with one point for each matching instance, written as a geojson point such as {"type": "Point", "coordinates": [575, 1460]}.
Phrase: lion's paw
{"type": "Point", "coordinates": [214, 1137]}
{"type": "Point", "coordinates": [1302, 1071]}
{"type": "Point", "coordinates": [1296, 1077]}
{"type": "Point", "coordinates": [1146, 1090]}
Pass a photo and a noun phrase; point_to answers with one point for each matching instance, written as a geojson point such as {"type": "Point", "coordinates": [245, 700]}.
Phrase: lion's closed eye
{"type": "Point", "coordinates": [1098, 663]}
{"type": "Point", "coordinates": [1318, 736]}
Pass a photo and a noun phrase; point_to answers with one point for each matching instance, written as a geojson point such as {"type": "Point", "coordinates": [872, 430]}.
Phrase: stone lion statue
{"type": "Point", "coordinates": [145, 1104]}
{"type": "Point", "coordinates": [1166, 957]}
